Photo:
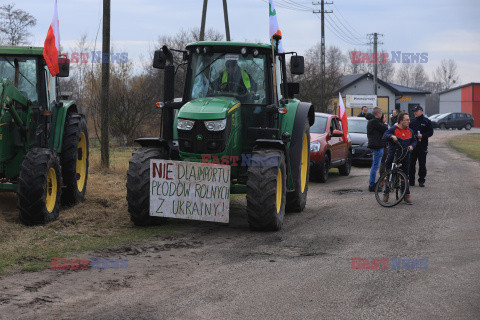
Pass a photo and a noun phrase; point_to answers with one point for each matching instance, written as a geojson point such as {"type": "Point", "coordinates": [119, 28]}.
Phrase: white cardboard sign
{"type": "Point", "coordinates": [189, 190]}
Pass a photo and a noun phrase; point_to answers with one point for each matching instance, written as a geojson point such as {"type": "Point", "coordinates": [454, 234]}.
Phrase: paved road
{"type": "Point", "coordinates": [210, 271]}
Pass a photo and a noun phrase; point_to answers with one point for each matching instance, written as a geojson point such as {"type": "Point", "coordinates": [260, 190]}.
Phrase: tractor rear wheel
{"type": "Point", "coordinates": [297, 199]}
{"type": "Point", "coordinates": [266, 189]}
{"type": "Point", "coordinates": [138, 185]}
{"type": "Point", "coordinates": [74, 159]}
{"type": "Point", "coordinates": [39, 187]}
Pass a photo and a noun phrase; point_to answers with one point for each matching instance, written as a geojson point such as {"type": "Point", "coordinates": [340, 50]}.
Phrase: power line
{"type": "Point", "coordinates": [346, 21]}
{"type": "Point", "coordinates": [341, 37]}
{"type": "Point", "coordinates": [343, 33]}
{"type": "Point", "coordinates": [348, 31]}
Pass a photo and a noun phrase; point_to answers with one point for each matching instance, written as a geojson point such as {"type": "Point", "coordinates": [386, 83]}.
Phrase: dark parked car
{"type": "Point", "coordinates": [453, 120]}
{"type": "Point", "coordinates": [327, 148]}
{"type": "Point", "coordinates": [357, 128]}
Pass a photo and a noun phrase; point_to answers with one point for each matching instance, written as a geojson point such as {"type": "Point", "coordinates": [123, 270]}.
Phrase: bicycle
{"type": "Point", "coordinates": [393, 181]}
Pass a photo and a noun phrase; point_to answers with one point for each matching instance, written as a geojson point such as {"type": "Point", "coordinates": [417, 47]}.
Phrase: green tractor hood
{"type": "Point", "coordinates": [211, 108]}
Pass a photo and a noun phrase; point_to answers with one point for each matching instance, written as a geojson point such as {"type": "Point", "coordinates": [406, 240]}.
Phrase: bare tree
{"type": "Point", "coordinates": [386, 70]}
{"type": "Point", "coordinates": [355, 63]}
{"type": "Point", "coordinates": [15, 25]}
{"type": "Point", "coordinates": [412, 75]}
{"type": "Point", "coordinates": [311, 80]}
{"type": "Point", "coordinates": [446, 74]}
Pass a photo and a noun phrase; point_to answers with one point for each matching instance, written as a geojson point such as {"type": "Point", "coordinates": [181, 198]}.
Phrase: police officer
{"type": "Point", "coordinates": [422, 127]}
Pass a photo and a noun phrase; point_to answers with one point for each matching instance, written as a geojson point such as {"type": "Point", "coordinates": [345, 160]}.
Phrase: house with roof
{"type": "Point", "coordinates": [389, 95]}
{"type": "Point", "coordinates": [465, 98]}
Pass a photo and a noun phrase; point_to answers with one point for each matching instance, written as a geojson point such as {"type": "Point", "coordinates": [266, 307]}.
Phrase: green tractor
{"type": "Point", "coordinates": [43, 140]}
{"type": "Point", "coordinates": [252, 119]}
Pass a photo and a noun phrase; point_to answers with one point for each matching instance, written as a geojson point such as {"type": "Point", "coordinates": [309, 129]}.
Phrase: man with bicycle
{"type": "Point", "coordinates": [400, 136]}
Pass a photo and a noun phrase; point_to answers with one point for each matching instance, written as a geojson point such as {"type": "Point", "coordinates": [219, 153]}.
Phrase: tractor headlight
{"type": "Point", "coordinates": [216, 125]}
{"type": "Point", "coordinates": [184, 124]}
{"type": "Point", "coordinates": [314, 146]}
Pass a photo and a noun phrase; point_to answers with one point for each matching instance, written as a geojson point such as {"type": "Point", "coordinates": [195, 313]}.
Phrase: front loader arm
{"type": "Point", "coordinates": [8, 95]}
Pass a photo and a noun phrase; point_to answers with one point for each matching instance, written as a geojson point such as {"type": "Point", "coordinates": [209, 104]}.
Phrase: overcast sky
{"type": "Point", "coordinates": [442, 28]}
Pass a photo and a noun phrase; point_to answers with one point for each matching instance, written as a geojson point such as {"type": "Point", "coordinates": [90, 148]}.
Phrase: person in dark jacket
{"type": "Point", "coordinates": [422, 128]}
{"type": "Point", "coordinates": [394, 117]}
{"type": "Point", "coordinates": [363, 113]}
{"type": "Point", "coordinates": [375, 131]}
{"type": "Point", "coordinates": [404, 135]}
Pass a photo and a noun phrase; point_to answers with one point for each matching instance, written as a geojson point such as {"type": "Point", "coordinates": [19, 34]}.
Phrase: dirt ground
{"type": "Point", "coordinates": [212, 271]}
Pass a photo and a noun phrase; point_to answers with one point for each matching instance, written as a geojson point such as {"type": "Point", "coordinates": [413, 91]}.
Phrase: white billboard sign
{"type": "Point", "coordinates": [358, 101]}
{"type": "Point", "coordinates": [189, 190]}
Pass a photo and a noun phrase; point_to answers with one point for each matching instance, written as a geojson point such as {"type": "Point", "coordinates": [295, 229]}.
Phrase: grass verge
{"type": "Point", "coordinates": [468, 144]}
{"type": "Point", "coordinates": [101, 221]}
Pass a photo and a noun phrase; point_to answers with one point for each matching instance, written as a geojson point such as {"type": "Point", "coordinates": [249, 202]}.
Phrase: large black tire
{"type": "Point", "coordinates": [344, 170]}
{"type": "Point", "coordinates": [468, 126]}
{"type": "Point", "coordinates": [74, 159]}
{"type": "Point", "coordinates": [39, 187]}
{"type": "Point", "coordinates": [266, 191]}
{"type": "Point", "coordinates": [138, 185]}
{"type": "Point", "coordinates": [296, 200]}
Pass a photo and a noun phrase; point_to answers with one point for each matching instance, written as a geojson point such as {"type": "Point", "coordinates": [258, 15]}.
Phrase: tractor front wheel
{"type": "Point", "coordinates": [74, 159]}
{"type": "Point", "coordinates": [138, 185]}
{"type": "Point", "coordinates": [39, 187]}
{"type": "Point", "coordinates": [266, 190]}
{"type": "Point", "coordinates": [296, 200]}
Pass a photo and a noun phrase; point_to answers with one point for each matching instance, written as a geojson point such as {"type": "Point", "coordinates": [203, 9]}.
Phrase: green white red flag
{"type": "Point", "coordinates": [51, 47]}
{"type": "Point", "coordinates": [274, 29]}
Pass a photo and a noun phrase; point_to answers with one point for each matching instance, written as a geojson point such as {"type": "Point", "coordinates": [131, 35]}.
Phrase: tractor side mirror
{"type": "Point", "coordinates": [293, 89]}
{"type": "Point", "coordinates": [159, 59]}
{"type": "Point", "coordinates": [297, 65]}
{"type": "Point", "coordinates": [64, 67]}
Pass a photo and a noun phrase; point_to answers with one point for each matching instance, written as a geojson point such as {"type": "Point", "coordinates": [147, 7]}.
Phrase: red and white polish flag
{"type": "Point", "coordinates": [343, 117]}
{"type": "Point", "coordinates": [51, 46]}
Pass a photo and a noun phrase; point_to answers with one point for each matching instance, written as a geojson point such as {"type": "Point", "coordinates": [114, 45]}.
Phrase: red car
{"type": "Point", "coordinates": [327, 148]}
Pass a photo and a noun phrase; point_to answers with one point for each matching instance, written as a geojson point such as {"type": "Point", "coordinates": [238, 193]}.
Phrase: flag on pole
{"type": "Point", "coordinates": [274, 29]}
{"type": "Point", "coordinates": [51, 46]}
{"type": "Point", "coordinates": [343, 117]}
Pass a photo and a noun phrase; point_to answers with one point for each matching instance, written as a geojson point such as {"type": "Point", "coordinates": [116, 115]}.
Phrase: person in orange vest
{"type": "Point", "coordinates": [234, 79]}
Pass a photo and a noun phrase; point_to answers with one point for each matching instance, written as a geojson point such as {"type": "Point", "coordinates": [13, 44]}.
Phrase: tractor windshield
{"type": "Point", "coordinates": [228, 74]}
{"type": "Point", "coordinates": [27, 77]}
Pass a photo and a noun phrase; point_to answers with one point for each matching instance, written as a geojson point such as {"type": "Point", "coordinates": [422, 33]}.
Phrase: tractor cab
{"type": "Point", "coordinates": [231, 98]}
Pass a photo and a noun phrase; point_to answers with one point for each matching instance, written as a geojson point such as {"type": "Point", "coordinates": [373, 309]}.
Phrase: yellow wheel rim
{"type": "Point", "coordinates": [304, 164]}
{"type": "Point", "coordinates": [279, 190]}
{"type": "Point", "coordinates": [51, 192]}
{"type": "Point", "coordinates": [81, 162]}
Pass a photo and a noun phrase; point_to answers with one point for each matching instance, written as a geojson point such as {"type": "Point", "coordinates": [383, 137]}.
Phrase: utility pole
{"type": "Point", "coordinates": [375, 58]}
{"type": "Point", "coordinates": [104, 112]}
{"type": "Point", "coordinates": [225, 15]}
{"type": "Point", "coordinates": [204, 17]}
{"type": "Point", "coordinates": [322, 67]}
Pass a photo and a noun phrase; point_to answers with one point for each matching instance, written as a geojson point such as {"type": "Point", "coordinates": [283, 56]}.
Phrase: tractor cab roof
{"type": "Point", "coordinates": [220, 46]}
{"type": "Point", "coordinates": [30, 51]}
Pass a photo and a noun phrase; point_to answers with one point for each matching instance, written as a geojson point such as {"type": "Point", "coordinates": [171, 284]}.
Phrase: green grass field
{"type": "Point", "coordinates": [468, 144]}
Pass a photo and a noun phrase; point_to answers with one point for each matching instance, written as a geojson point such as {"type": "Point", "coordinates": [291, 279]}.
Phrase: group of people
{"type": "Point", "coordinates": [383, 141]}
